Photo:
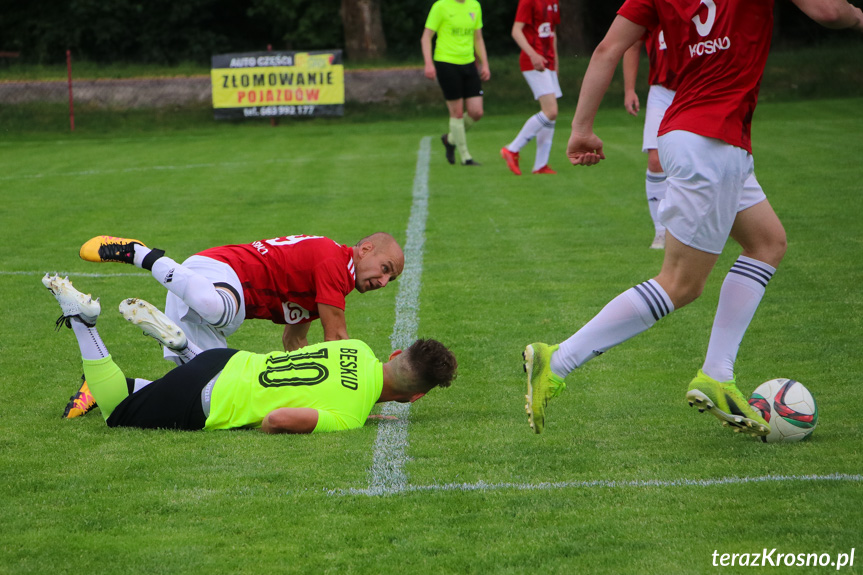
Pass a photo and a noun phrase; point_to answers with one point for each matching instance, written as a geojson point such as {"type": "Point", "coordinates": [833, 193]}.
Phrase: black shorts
{"type": "Point", "coordinates": [174, 401]}
{"type": "Point", "coordinates": [458, 81]}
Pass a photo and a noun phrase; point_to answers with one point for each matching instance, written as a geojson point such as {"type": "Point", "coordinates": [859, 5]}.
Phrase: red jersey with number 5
{"type": "Point", "coordinates": [284, 279]}
{"type": "Point", "coordinates": [718, 48]}
{"type": "Point", "coordinates": [540, 18]}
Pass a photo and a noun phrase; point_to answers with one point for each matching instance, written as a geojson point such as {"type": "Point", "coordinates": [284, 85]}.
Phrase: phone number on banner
{"type": "Point", "coordinates": [279, 111]}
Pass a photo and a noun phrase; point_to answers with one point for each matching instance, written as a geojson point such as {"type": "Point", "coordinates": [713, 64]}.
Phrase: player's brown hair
{"type": "Point", "coordinates": [429, 364]}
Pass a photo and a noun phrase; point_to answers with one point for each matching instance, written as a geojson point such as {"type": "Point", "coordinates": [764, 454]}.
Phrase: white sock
{"type": "Point", "coordinates": [739, 297]}
{"type": "Point", "coordinates": [528, 132]}
{"type": "Point", "coordinates": [655, 186]}
{"type": "Point", "coordinates": [624, 317]}
{"type": "Point", "coordinates": [457, 137]}
{"type": "Point", "coordinates": [140, 384]}
{"type": "Point", "coordinates": [140, 253]}
{"type": "Point", "coordinates": [89, 341]}
{"type": "Point", "coordinates": [218, 307]}
{"type": "Point", "coordinates": [188, 353]}
{"type": "Point", "coordinates": [543, 145]}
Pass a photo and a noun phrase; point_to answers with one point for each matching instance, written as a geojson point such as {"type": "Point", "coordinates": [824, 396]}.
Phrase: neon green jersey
{"type": "Point", "coordinates": [455, 24]}
{"type": "Point", "coordinates": [342, 380]}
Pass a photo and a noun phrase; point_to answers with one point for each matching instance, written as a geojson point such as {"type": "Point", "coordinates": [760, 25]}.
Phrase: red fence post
{"type": "Point", "coordinates": [71, 104]}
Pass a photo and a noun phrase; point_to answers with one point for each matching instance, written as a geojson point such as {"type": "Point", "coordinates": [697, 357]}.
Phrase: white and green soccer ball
{"type": "Point", "coordinates": [788, 407]}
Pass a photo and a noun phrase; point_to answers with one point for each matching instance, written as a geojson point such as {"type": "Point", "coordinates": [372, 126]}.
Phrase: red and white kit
{"type": "Point", "coordinates": [284, 279]}
{"type": "Point", "coordinates": [540, 18]}
{"type": "Point", "coordinates": [717, 47]}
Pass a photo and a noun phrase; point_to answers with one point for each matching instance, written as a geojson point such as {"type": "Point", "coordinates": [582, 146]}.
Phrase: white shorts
{"type": "Point", "coordinates": [709, 182]}
{"type": "Point", "coordinates": [658, 100]}
{"type": "Point", "coordinates": [197, 330]}
{"type": "Point", "coordinates": [542, 83]}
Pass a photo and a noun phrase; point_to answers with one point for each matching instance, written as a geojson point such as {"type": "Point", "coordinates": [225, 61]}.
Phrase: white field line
{"type": "Point", "coordinates": [606, 483]}
{"type": "Point", "coordinates": [74, 274]}
{"type": "Point", "coordinates": [388, 474]}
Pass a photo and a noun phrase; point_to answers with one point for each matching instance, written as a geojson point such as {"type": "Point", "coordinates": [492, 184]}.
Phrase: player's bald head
{"type": "Point", "coordinates": [378, 260]}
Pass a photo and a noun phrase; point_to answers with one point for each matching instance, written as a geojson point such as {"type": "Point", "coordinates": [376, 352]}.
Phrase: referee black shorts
{"type": "Point", "coordinates": [174, 401]}
{"type": "Point", "coordinates": [458, 81]}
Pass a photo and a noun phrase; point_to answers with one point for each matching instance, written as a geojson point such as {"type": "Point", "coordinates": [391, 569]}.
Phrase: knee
{"type": "Point", "coordinates": [209, 302]}
{"type": "Point", "coordinates": [681, 292]}
{"type": "Point", "coordinates": [685, 295]}
{"type": "Point", "coordinates": [770, 250]}
{"type": "Point", "coordinates": [777, 250]}
{"type": "Point", "coordinates": [475, 115]}
{"type": "Point", "coordinates": [549, 109]}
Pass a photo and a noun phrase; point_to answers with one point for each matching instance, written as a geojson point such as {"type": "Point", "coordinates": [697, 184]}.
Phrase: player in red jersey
{"type": "Point", "coordinates": [534, 31]}
{"type": "Point", "coordinates": [719, 49]}
{"type": "Point", "coordinates": [291, 280]}
{"type": "Point", "coordinates": [663, 83]}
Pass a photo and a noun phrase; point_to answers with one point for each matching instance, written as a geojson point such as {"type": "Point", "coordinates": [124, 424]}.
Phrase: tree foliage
{"type": "Point", "coordinates": [168, 31]}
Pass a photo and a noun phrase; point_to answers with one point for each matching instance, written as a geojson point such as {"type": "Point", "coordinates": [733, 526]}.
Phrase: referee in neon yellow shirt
{"type": "Point", "coordinates": [330, 386]}
{"type": "Point", "coordinates": [458, 26]}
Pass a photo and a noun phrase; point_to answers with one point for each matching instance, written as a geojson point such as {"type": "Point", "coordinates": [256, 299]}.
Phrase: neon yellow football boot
{"type": "Point", "coordinates": [723, 400]}
{"type": "Point", "coordinates": [542, 384]}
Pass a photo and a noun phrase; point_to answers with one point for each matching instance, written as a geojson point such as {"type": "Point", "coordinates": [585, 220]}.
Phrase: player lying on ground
{"type": "Point", "coordinates": [291, 281]}
{"type": "Point", "coordinates": [330, 386]}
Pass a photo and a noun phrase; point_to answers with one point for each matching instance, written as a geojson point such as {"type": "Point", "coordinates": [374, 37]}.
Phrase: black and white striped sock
{"type": "Point", "coordinates": [624, 317]}
{"type": "Point", "coordinates": [742, 290]}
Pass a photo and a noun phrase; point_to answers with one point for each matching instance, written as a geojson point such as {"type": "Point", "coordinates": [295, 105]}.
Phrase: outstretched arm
{"type": "Point", "coordinates": [584, 147]}
{"type": "Point", "coordinates": [832, 13]}
{"type": "Point", "coordinates": [290, 420]}
{"type": "Point", "coordinates": [479, 48]}
{"type": "Point", "coordinates": [333, 322]}
{"type": "Point", "coordinates": [426, 44]}
{"type": "Point", "coordinates": [630, 75]}
{"type": "Point", "coordinates": [294, 336]}
{"type": "Point", "coordinates": [518, 35]}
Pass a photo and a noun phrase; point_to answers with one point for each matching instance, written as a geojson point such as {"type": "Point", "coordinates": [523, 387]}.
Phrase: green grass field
{"type": "Point", "coordinates": [626, 479]}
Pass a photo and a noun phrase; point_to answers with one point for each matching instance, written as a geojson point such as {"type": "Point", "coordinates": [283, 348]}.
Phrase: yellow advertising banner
{"type": "Point", "coordinates": [270, 84]}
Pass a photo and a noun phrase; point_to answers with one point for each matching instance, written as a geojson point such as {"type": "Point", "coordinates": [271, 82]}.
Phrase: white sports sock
{"type": "Point", "coordinates": [140, 384]}
{"type": "Point", "coordinates": [89, 341]}
{"type": "Point", "coordinates": [624, 317]}
{"type": "Point", "coordinates": [457, 137]}
{"type": "Point", "coordinates": [543, 145]}
{"type": "Point", "coordinates": [217, 307]}
{"type": "Point", "coordinates": [528, 132]}
{"type": "Point", "coordinates": [188, 353]}
{"type": "Point", "coordinates": [655, 186]}
{"type": "Point", "coordinates": [140, 253]}
{"type": "Point", "coordinates": [739, 297]}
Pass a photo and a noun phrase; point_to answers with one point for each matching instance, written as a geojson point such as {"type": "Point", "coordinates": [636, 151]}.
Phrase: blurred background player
{"type": "Point", "coordinates": [330, 386]}
{"type": "Point", "coordinates": [662, 83]}
{"type": "Point", "coordinates": [534, 31]}
{"type": "Point", "coordinates": [719, 50]}
{"type": "Point", "coordinates": [458, 26]}
{"type": "Point", "coordinates": [292, 280]}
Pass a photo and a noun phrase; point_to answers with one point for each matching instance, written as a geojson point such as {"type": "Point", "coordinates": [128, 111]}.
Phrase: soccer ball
{"type": "Point", "coordinates": [788, 407]}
